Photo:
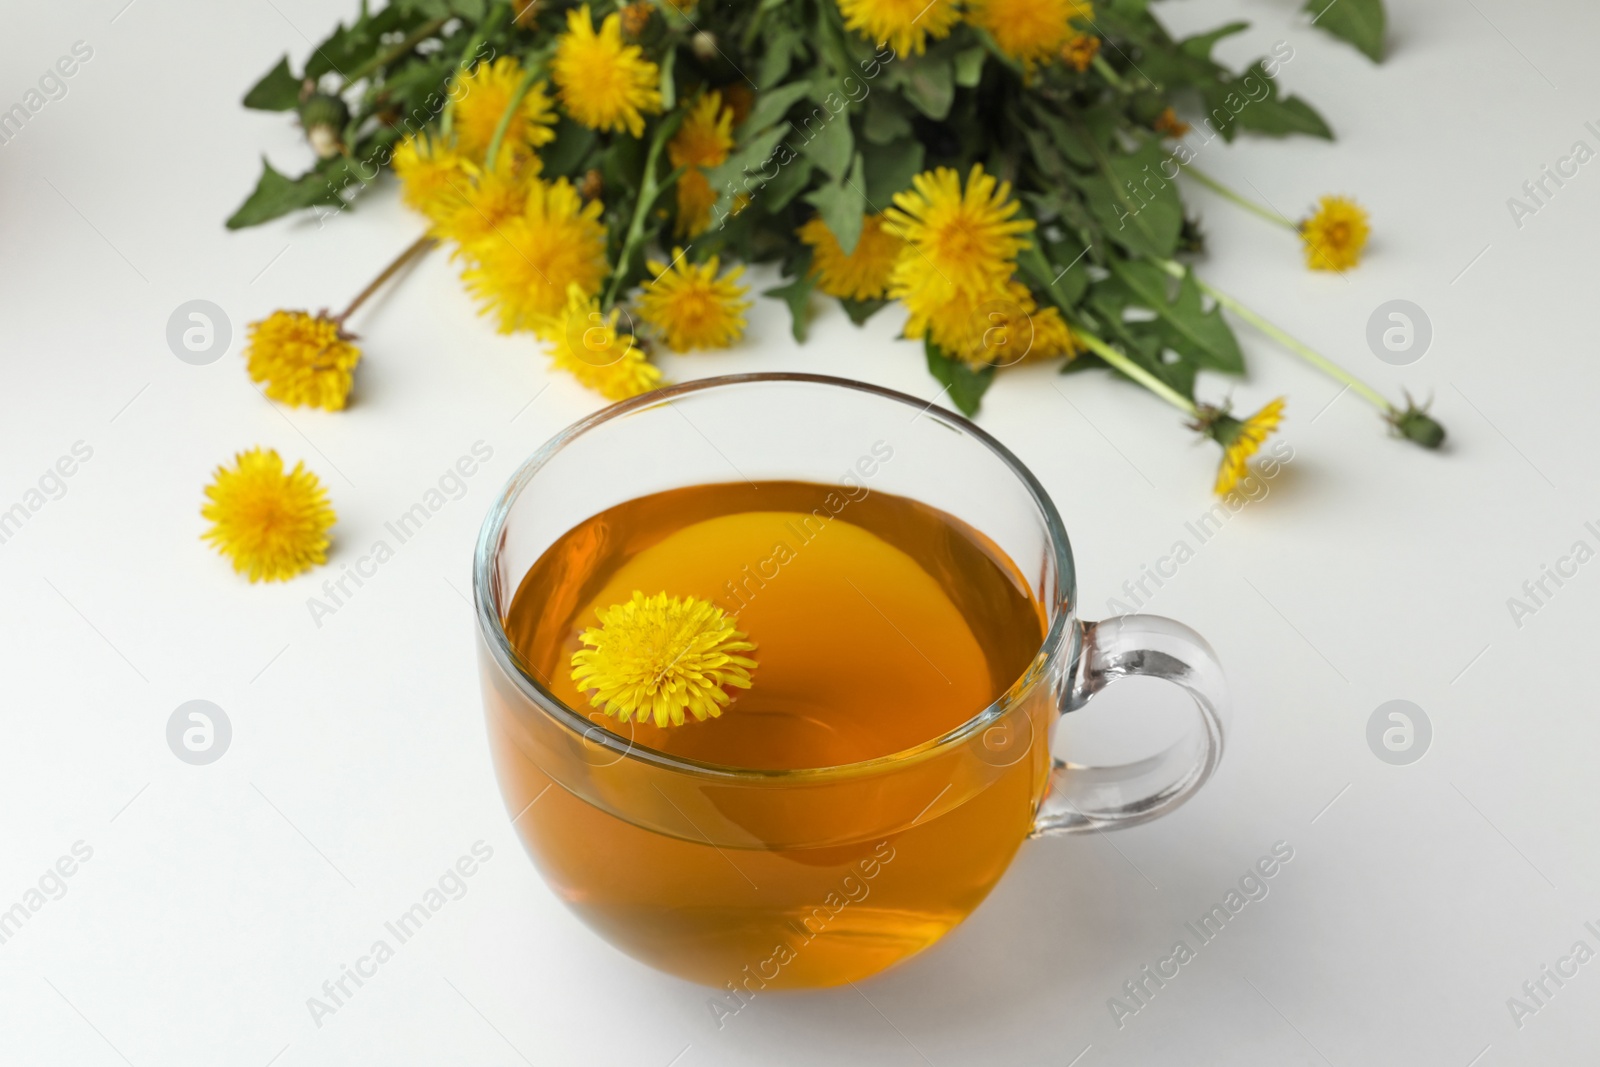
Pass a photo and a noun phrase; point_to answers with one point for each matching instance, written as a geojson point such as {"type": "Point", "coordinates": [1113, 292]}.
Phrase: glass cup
{"type": "Point", "coordinates": [748, 879]}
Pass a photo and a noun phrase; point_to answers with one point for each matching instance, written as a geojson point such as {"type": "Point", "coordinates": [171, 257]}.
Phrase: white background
{"type": "Point", "coordinates": [219, 898]}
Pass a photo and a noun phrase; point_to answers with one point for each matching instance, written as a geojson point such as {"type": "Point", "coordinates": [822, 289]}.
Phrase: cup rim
{"type": "Point", "coordinates": [507, 660]}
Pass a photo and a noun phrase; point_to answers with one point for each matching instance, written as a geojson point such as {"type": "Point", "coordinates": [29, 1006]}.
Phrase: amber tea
{"type": "Point", "coordinates": [881, 624]}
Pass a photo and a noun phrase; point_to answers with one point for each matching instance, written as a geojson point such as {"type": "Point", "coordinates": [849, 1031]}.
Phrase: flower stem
{"type": "Point", "coordinates": [1134, 371]}
{"type": "Point", "coordinates": [415, 249]}
{"type": "Point", "coordinates": [1109, 73]}
{"type": "Point", "coordinates": [649, 189]}
{"type": "Point", "coordinates": [1304, 351]}
{"type": "Point", "coordinates": [1243, 201]}
{"type": "Point", "coordinates": [500, 128]}
{"type": "Point", "coordinates": [414, 38]}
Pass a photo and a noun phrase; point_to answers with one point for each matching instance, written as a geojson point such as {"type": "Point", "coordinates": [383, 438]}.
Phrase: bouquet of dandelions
{"type": "Point", "coordinates": [1005, 170]}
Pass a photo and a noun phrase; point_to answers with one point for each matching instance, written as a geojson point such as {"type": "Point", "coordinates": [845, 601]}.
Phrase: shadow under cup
{"type": "Point", "coordinates": [756, 879]}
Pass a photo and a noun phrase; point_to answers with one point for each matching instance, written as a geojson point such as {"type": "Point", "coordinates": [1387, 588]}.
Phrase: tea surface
{"type": "Point", "coordinates": [881, 624]}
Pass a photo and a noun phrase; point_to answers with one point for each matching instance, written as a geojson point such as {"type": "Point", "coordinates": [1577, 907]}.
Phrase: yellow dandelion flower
{"type": "Point", "coordinates": [482, 95]}
{"type": "Point", "coordinates": [304, 360]}
{"type": "Point", "coordinates": [703, 140]}
{"type": "Point", "coordinates": [429, 173]}
{"type": "Point", "coordinates": [603, 83]}
{"type": "Point", "coordinates": [1079, 52]}
{"type": "Point", "coordinates": [657, 657]}
{"type": "Point", "coordinates": [906, 25]}
{"type": "Point", "coordinates": [588, 345]}
{"type": "Point", "coordinates": [1240, 440]}
{"type": "Point", "coordinates": [960, 246]}
{"type": "Point", "coordinates": [1336, 234]}
{"type": "Point", "coordinates": [1006, 329]}
{"type": "Point", "coordinates": [691, 306]}
{"type": "Point", "coordinates": [1032, 31]}
{"type": "Point", "coordinates": [521, 272]}
{"type": "Point", "coordinates": [480, 200]}
{"type": "Point", "coordinates": [861, 275]}
{"type": "Point", "coordinates": [272, 525]}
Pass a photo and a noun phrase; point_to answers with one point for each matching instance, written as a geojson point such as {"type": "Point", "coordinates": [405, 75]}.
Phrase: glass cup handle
{"type": "Point", "coordinates": [1098, 798]}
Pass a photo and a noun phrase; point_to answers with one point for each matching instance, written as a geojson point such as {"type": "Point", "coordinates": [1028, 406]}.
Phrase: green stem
{"type": "Point", "coordinates": [414, 38]}
{"type": "Point", "coordinates": [500, 128]}
{"type": "Point", "coordinates": [1243, 201]}
{"type": "Point", "coordinates": [1304, 351]}
{"type": "Point", "coordinates": [649, 189]}
{"type": "Point", "coordinates": [1134, 371]}
{"type": "Point", "coordinates": [1108, 73]}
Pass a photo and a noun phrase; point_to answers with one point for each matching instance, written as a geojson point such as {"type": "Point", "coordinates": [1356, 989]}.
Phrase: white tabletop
{"type": "Point", "coordinates": [216, 899]}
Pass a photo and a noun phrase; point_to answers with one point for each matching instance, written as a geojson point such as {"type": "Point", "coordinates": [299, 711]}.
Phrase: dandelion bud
{"type": "Point", "coordinates": [1416, 425]}
{"type": "Point", "coordinates": [323, 116]}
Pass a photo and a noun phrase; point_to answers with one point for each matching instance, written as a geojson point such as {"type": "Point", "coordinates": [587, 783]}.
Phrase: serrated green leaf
{"type": "Point", "coordinates": [797, 294]}
{"type": "Point", "coordinates": [969, 66]}
{"type": "Point", "coordinates": [884, 121]}
{"type": "Point", "coordinates": [862, 310]}
{"type": "Point", "coordinates": [772, 105]}
{"type": "Point", "coordinates": [1358, 22]}
{"type": "Point", "coordinates": [842, 205]}
{"type": "Point", "coordinates": [889, 170]}
{"type": "Point", "coordinates": [966, 385]}
{"type": "Point", "coordinates": [1200, 45]}
{"type": "Point", "coordinates": [930, 86]}
{"type": "Point", "coordinates": [825, 137]}
{"type": "Point", "coordinates": [1135, 202]}
{"type": "Point", "coordinates": [278, 90]}
{"type": "Point", "coordinates": [1251, 102]}
{"type": "Point", "coordinates": [780, 192]}
{"type": "Point", "coordinates": [1191, 331]}
{"type": "Point", "coordinates": [276, 195]}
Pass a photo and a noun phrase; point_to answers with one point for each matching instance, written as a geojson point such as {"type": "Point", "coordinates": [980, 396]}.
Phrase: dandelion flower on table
{"type": "Point", "coordinates": [961, 245]}
{"type": "Point", "coordinates": [587, 344]}
{"type": "Point", "coordinates": [862, 274]}
{"type": "Point", "coordinates": [1079, 52]}
{"type": "Point", "coordinates": [521, 272]}
{"type": "Point", "coordinates": [1032, 31]}
{"type": "Point", "coordinates": [657, 657]}
{"type": "Point", "coordinates": [1240, 440]}
{"type": "Point", "coordinates": [271, 524]}
{"type": "Point", "coordinates": [604, 83]}
{"type": "Point", "coordinates": [690, 306]}
{"type": "Point", "coordinates": [703, 141]}
{"type": "Point", "coordinates": [304, 360]}
{"type": "Point", "coordinates": [1335, 234]}
{"type": "Point", "coordinates": [905, 25]}
{"type": "Point", "coordinates": [481, 98]}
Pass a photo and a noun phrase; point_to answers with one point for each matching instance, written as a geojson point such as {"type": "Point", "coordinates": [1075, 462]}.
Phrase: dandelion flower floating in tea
{"type": "Point", "coordinates": [1336, 234]}
{"type": "Point", "coordinates": [270, 523]}
{"type": "Point", "coordinates": [657, 657]}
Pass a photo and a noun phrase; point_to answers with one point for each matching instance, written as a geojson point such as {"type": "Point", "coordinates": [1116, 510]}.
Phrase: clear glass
{"type": "Point", "coordinates": [749, 879]}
